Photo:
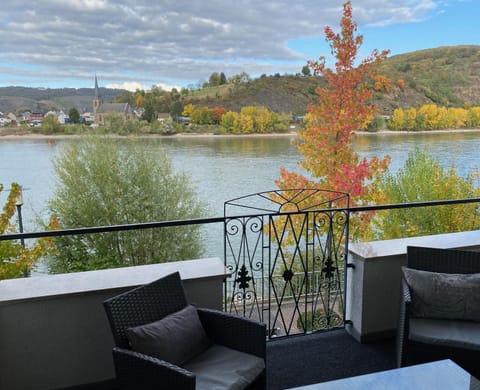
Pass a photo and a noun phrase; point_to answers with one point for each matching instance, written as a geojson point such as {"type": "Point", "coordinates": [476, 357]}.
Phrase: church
{"type": "Point", "coordinates": [105, 112]}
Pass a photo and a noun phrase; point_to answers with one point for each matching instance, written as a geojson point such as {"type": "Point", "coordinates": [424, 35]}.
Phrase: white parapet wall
{"type": "Point", "coordinates": [373, 284]}
{"type": "Point", "coordinates": [54, 332]}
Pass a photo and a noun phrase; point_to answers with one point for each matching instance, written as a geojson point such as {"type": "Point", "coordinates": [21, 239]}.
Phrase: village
{"type": "Point", "coordinates": [93, 118]}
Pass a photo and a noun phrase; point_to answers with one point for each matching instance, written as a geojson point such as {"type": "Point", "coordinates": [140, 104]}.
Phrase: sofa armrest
{"type": "Point", "coordinates": [403, 323]}
{"type": "Point", "coordinates": [138, 371]}
{"type": "Point", "coordinates": [235, 332]}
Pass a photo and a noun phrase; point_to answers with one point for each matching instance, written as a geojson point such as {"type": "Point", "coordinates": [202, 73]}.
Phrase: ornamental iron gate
{"type": "Point", "coordinates": [286, 252]}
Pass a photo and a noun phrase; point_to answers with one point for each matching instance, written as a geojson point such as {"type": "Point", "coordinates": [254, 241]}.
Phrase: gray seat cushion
{"type": "Point", "coordinates": [223, 368]}
{"type": "Point", "coordinates": [450, 333]}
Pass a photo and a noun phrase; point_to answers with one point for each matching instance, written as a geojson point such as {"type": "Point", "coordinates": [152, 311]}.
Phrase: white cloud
{"type": "Point", "coordinates": [132, 86]}
{"type": "Point", "coordinates": [150, 41]}
{"type": "Point", "coordinates": [399, 12]}
{"type": "Point", "coordinates": [129, 86]}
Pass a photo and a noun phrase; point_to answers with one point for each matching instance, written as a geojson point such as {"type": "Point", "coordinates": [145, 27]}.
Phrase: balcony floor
{"type": "Point", "coordinates": [320, 357]}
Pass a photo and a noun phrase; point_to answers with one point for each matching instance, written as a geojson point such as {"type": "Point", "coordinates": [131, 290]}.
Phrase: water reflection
{"type": "Point", "coordinates": [457, 148]}
{"type": "Point", "coordinates": [223, 168]}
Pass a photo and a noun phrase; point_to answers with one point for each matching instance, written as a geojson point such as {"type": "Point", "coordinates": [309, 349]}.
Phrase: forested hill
{"type": "Point", "coordinates": [448, 76]}
{"type": "Point", "coordinates": [43, 99]}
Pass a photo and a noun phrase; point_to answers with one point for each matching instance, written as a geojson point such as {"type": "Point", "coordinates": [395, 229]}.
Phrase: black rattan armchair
{"type": "Point", "coordinates": [155, 301]}
{"type": "Point", "coordinates": [421, 339]}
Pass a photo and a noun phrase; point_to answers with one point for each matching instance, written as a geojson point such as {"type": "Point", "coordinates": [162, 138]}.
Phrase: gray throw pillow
{"type": "Point", "coordinates": [176, 338]}
{"type": "Point", "coordinates": [444, 296]}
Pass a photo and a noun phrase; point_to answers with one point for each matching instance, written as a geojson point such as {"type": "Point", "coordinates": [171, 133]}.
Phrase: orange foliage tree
{"type": "Point", "coordinates": [344, 106]}
{"type": "Point", "coordinates": [382, 83]}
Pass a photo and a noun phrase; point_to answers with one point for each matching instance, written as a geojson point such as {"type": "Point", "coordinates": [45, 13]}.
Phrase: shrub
{"type": "Point", "coordinates": [101, 182]}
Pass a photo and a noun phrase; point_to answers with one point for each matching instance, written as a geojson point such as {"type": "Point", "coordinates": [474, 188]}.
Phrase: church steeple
{"type": "Point", "coordinates": [97, 96]}
{"type": "Point", "coordinates": [96, 100]}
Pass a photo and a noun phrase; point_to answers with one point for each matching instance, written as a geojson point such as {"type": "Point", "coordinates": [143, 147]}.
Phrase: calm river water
{"type": "Point", "coordinates": [222, 168]}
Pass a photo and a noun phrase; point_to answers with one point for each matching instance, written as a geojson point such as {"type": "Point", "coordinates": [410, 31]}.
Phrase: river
{"type": "Point", "coordinates": [223, 168]}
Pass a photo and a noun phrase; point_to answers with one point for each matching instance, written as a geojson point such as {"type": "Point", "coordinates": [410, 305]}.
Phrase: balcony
{"type": "Point", "coordinates": [54, 333]}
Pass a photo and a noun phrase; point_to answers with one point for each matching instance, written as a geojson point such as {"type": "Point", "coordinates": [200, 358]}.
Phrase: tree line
{"type": "Point", "coordinates": [250, 119]}
{"type": "Point", "coordinates": [433, 117]}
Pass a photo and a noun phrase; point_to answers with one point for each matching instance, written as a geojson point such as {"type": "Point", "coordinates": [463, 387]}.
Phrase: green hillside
{"type": "Point", "coordinates": [287, 94]}
{"type": "Point", "coordinates": [43, 99]}
{"type": "Point", "coordinates": [448, 76]}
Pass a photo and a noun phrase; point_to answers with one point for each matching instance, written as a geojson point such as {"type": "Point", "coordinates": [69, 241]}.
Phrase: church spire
{"type": "Point", "coordinates": [97, 95]}
{"type": "Point", "coordinates": [96, 100]}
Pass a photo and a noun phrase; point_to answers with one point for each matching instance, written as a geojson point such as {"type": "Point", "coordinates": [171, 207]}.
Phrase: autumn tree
{"type": "Point", "coordinates": [139, 96]}
{"type": "Point", "coordinates": [433, 117]}
{"type": "Point", "coordinates": [344, 106]}
{"type": "Point", "coordinates": [216, 114]}
{"type": "Point", "coordinates": [188, 109]}
{"type": "Point", "coordinates": [16, 258]}
{"type": "Point", "coordinates": [382, 83]}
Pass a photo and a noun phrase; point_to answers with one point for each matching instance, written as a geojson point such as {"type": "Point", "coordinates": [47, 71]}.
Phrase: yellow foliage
{"type": "Point", "coordinates": [397, 121]}
{"type": "Point", "coordinates": [473, 117]}
{"type": "Point", "coordinates": [410, 119]}
{"type": "Point", "coordinates": [430, 114]}
{"type": "Point", "coordinates": [458, 117]}
{"type": "Point", "coordinates": [139, 100]}
{"type": "Point", "coordinates": [15, 259]}
{"type": "Point", "coordinates": [188, 110]}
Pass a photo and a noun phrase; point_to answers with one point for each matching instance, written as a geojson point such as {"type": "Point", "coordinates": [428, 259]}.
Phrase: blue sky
{"type": "Point", "coordinates": [140, 43]}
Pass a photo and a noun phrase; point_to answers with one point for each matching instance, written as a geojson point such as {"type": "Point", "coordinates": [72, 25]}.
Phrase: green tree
{"type": "Point", "coordinates": [74, 115]}
{"type": "Point", "coordinates": [176, 109]}
{"type": "Point", "coordinates": [223, 78]}
{"type": "Point", "coordinates": [306, 70]}
{"type": "Point", "coordinates": [214, 79]}
{"type": "Point", "coordinates": [149, 113]}
{"type": "Point", "coordinates": [125, 97]}
{"type": "Point", "coordinates": [51, 125]}
{"type": "Point", "coordinates": [101, 182]}
{"type": "Point", "coordinates": [423, 179]}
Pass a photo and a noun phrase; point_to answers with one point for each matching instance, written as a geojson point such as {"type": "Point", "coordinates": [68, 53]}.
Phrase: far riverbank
{"type": "Point", "coordinates": [397, 132]}
{"type": "Point", "coordinates": [25, 135]}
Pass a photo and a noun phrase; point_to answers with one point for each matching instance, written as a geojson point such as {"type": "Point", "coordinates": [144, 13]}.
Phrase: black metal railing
{"type": "Point", "coordinates": [213, 220]}
{"type": "Point", "coordinates": [295, 283]}
{"type": "Point", "coordinates": [287, 261]}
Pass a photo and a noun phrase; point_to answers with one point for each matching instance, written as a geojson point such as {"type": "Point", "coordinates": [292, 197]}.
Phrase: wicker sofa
{"type": "Point", "coordinates": [162, 342]}
{"type": "Point", "coordinates": [440, 308]}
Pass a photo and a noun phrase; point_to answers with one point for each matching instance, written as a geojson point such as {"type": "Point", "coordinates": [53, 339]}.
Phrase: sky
{"type": "Point", "coordinates": [179, 43]}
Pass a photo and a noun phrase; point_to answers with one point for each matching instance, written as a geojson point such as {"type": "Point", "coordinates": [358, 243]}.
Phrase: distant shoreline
{"type": "Point", "coordinates": [36, 136]}
{"type": "Point", "coordinates": [396, 132]}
